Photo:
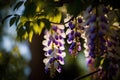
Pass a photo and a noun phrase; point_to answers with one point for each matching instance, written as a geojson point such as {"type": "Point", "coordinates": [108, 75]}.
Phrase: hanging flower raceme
{"type": "Point", "coordinates": [113, 47]}
{"type": "Point", "coordinates": [53, 47]}
{"type": "Point", "coordinates": [101, 42]}
{"type": "Point", "coordinates": [74, 34]}
{"type": "Point", "coordinates": [89, 33]}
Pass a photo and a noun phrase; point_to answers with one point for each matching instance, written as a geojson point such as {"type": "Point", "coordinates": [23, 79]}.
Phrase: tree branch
{"type": "Point", "coordinates": [84, 76]}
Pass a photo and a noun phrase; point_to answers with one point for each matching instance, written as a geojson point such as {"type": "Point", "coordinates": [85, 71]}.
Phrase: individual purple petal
{"type": "Point", "coordinates": [72, 45]}
{"type": "Point", "coordinates": [46, 70]}
{"type": "Point", "coordinates": [54, 28]}
{"type": "Point", "coordinates": [103, 19]}
{"type": "Point", "coordinates": [70, 23]}
{"type": "Point", "coordinates": [60, 44]}
{"type": "Point", "coordinates": [59, 68]}
{"type": "Point", "coordinates": [77, 34]}
{"type": "Point", "coordinates": [109, 44]}
{"type": "Point", "coordinates": [82, 28]}
{"type": "Point", "coordinates": [56, 37]}
{"type": "Point", "coordinates": [60, 37]}
{"type": "Point", "coordinates": [71, 26]}
{"type": "Point", "coordinates": [92, 54]}
{"type": "Point", "coordinates": [56, 42]}
{"type": "Point", "coordinates": [52, 60]}
{"type": "Point", "coordinates": [70, 37]}
{"type": "Point", "coordinates": [50, 38]}
{"type": "Point", "coordinates": [49, 42]}
{"type": "Point", "coordinates": [102, 40]}
{"type": "Point", "coordinates": [50, 51]}
{"type": "Point", "coordinates": [72, 32]}
{"type": "Point", "coordinates": [79, 20]}
{"type": "Point", "coordinates": [104, 26]}
{"type": "Point", "coordinates": [70, 51]}
{"type": "Point", "coordinates": [89, 61]}
{"type": "Point", "coordinates": [92, 47]}
{"type": "Point", "coordinates": [92, 18]}
{"type": "Point", "coordinates": [62, 31]}
{"type": "Point", "coordinates": [92, 36]}
{"type": "Point", "coordinates": [92, 29]}
{"type": "Point", "coordinates": [59, 51]}
{"type": "Point", "coordinates": [59, 58]}
{"type": "Point", "coordinates": [100, 33]}
{"type": "Point", "coordinates": [79, 48]}
{"type": "Point", "coordinates": [102, 47]}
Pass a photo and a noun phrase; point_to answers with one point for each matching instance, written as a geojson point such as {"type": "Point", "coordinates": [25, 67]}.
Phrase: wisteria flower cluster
{"type": "Point", "coordinates": [54, 46]}
{"type": "Point", "coordinates": [101, 42]}
{"type": "Point", "coordinates": [74, 34]}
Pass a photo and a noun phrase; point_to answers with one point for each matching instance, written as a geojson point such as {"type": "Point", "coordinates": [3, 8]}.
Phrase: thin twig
{"type": "Point", "coordinates": [84, 76]}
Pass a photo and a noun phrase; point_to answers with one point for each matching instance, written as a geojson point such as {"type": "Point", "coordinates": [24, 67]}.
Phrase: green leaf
{"type": "Point", "coordinates": [106, 63]}
{"type": "Point", "coordinates": [30, 9]}
{"type": "Point", "coordinates": [12, 21]}
{"type": "Point", "coordinates": [98, 61]}
{"type": "Point", "coordinates": [6, 18]}
{"type": "Point", "coordinates": [17, 19]}
{"type": "Point", "coordinates": [20, 32]}
{"type": "Point", "coordinates": [47, 23]}
{"type": "Point", "coordinates": [27, 25]}
{"type": "Point", "coordinates": [18, 5]}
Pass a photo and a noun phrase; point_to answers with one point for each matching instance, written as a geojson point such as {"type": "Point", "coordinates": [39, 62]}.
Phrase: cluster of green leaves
{"type": "Point", "coordinates": [41, 13]}
{"type": "Point", "coordinates": [37, 15]}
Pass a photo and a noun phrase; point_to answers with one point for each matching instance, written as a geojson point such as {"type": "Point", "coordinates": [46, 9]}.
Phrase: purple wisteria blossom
{"type": "Point", "coordinates": [74, 34]}
{"type": "Point", "coordinates": [53, 47]}
{"type": "Point", "coordinates": [99, 42]}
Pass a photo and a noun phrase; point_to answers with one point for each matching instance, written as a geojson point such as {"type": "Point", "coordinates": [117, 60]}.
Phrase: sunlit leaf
{"type": "Point", "coordinates": [30, 35]}
{"type": "Point", "coordinates": [18, 5]}
{"type": "Point", "coordinates": [25, 36]}
{"type": "Point", "coordinates": [23, 19]}
{"type": "Point", "coordinates": [41, 27]}
{"type": "Point", "coordinates": [55, 18]}
{"type": "Point", "coordinates": [47, 23]}
{"type": "Point", "coordinates": [27, 26]}
{"type": "Point", "coordinates": [102, 61]}
{"type": "Point", "coordinates": [12, 21]}
{"type": "Point", "coordinates": [36, 28]}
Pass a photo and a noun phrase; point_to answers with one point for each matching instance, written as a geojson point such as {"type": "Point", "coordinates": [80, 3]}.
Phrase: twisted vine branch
{"type": "Point", "coordinates": [84, 76]}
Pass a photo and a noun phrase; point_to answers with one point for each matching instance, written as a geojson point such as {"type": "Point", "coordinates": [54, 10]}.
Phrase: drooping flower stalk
{"type": "Point", "coordinates": [74, 35]}
{"type": "Point", "coordinates": [102, 42]}
{"type": "Point", "coordinates": [53, 47]}
{"type": "Point", "coordinates": [96, 28]}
